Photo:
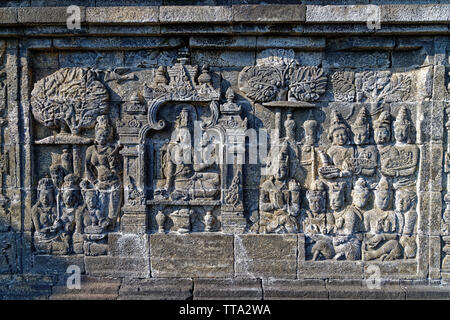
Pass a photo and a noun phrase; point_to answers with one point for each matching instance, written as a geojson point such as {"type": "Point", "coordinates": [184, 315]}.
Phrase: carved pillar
{"type": "Point", "coordinates": [134, 211]}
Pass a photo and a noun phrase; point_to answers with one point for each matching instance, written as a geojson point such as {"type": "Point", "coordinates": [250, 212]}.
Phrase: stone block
{"type": "Point", "coordinates": [128, 245]}
{"type": "Point", "coordinates": [391, 270]}
{"type": "Point", "coordinates": [294, 289]}
{"type": "Point", "coordinates": [46, 15]}
{"type": "Point", "coordinates": [272, 13]}
{"type": "Point", "coordinates": [56, 265]}
{"type": "Point", "coordinates": [156, 289]}
{"type": "Point", "coordinates": [8, 16]}
{"type": "Point", "coordinates": [422, 290]}
{"type": "Point", "coordinates": [362, 290]}
{"type": "Point", "coordinates": [415, 13]}
{"type": "Point", "coordinates": [227, 289]}
{"type": "Point", "coordinates": [91, 288]}
{"type": "Point", "coordinates": [118, 266]}
{"type": "Point", "coordinates": [299, 43]}
{"type": "Point", "coordinates": [191, 255]}
{"type": "Point", "coordinates": [228, 43]}
{"type": "Point", "coordinates": [25, 287]}
{"type": "Point", "coordinates": [266, 256]}
{"type": "Point", "coordinates": [122, 15]}
{"type": "Point", "coordinates": [338, 59]}
{"type": "Point", "coordinates": [338, 13]}
{"type": "Point", "coordinates": [183, 14]}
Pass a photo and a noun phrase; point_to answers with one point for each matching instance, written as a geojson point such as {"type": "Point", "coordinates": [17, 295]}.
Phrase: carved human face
{"type": "Point", "coordinates": [102, 136]}
{"type": "Point", "coordinates": [360, 198]}
{"type": "Point", "coordinates": [69, 198]}
{"type": "Point", "coordinates": [340, 137]}
{"type": "Point", "coordinates": [91, 199]}
{"type": "Point", "coordinates": [382, 199]}
{"type": "Point", "coordinates": [361, 135]}
{"type": "Point", "coordinates": [401, 132]}
{"type": "Point", "coordinates": [46, 197]}
{"type": "Point", "coordinates": [316, 204]}
{"type": "Point", "coordinates": [403, 201]}
{"type": "Point", "coordinates": [382, 135]}
{"type": "Point", "coordinates": [281, 172]}
{"type": "Point", "coordinates": [336, 200]}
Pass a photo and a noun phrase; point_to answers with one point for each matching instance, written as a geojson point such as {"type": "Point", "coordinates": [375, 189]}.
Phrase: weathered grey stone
{"type": "Point", "coordinates": [90, 118]}
{"type": "Point", "coordinates": [56, 265]}
{"type": "Point", "coordinates": [125, 15]}
{"type": "Point", "coordinates": [269, 13]}
{"type": "Point", "coordinates": [266, 256]}
{"type": "Point", "coordinates": [294, 289]}
{"type": "Point", "coordinates": [338, 14]}
{"type": "Point", "coordinates": [128, 245]}
{"type": "Point", "coordinates": [25, 287]}
{"type": "Point", "coordinates": [8, 16]}
{"type": "Point", "coordinates": [91, 288]}
{"type": "Point", "coordinates": [290, 43]}
{"type": "Point", "coordinates": [46, 15]}
{"type": "Point", "coordinates": [227, 289]}
{"type": "Point", "coordinates": [117, 266]}
{"type": "Point", "coordinates": [156, 289]}
{"type": "Point", "coordinates": [179, 14]}
{"type": "Point", "coordinates": [357, 289]}
{"type": "Point", "coordinates": [243, 43]}
{"type": "Point", "coordinates": [399, 13]}
{"type": "Point", "coordinates": [192, 255]}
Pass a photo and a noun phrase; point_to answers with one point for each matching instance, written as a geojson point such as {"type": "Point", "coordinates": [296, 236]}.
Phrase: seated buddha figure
{"type": "Point", "coordinates": [186, 177]}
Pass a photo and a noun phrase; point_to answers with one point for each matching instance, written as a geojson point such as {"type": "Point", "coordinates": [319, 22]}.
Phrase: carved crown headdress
{"type": "Point", "coordinates": [45, 184]}
{"type": "Point", "coordinates": [289, 124]}
{"type": "Point", "coordinates": [403, 117]}
{"type": "Point", "coordinates": [71, 182]}
{"type": "Point", "coordinates": [182, 120]}
{"type": "Point", "coordinates": [336, 122]}
{"type": "Point", "coordinates": [283, 156]}
{"type": "Point", "coordinates": [317, 189]}
{"type": "Point", "coordinates": [383, 185]}
{"type": "Point", "coordinates": [383, 121]}
{"type": "Point", "coordinates": [362, 119]}
{"type": "Point", "coordinates": [361, 186]}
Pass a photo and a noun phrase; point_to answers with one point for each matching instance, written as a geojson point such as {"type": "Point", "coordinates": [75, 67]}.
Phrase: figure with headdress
{"type": "Point", "coordinates": [315, 221]}
{"type": "Point", "coordinates": [348, 222]}
{"type": "Point", "coordinates": [70, 203]}
{"type": "Point", "coordinates": [381, 226]}
{"type": "Point", "coordinates": [279, 199]}
{"type": "Point", "coordinates": [91, 215]}
{"type": "Point", "coordinates": [44, 213]}
{"type": "Point", "coordinates": [48, 236]}
{"type": "Point", "coordinates": [103, 169]}
{"type": "Point", "coordinates": [186, 177]}
{"type": "Point", "coordinates": [365, 155]}
{"type": "Point", "coordinates": [309, 152]}
{"type": "Point", "coordinates": [400, 160]}
{"type": "Point", "coordinates": [336, 162]}
{"type": "Point", "coordinates": [295, 168]}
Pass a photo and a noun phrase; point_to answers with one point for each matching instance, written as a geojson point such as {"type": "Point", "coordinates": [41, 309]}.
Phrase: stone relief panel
{"type": "Point", "coordinates": [7, 236]}
{"type": "Point", "coordinates": [350, 185]}
{"type": "Point", "coordinates": [163, 149]}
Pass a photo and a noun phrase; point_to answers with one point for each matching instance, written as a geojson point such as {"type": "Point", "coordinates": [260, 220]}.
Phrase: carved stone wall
{"type": "Point", "coordinates": [248, 145]}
